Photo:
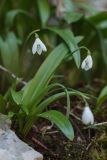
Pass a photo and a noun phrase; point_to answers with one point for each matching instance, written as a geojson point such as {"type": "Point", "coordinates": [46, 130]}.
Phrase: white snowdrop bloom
{"type": "Point", "coordinates": [38, 47]}
{"type": "Point", "coordinates": [87, 63]}
{"type": "Point", "coordinates": [87, 116]}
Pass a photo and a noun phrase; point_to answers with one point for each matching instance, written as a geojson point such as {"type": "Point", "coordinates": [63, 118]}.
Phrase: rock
{"type": "Point", "coordinates": [12, 148]}
{"type": "Point", "coordinates": [30, 155]}
{"type": "Point", "coordinates": [4, 154]}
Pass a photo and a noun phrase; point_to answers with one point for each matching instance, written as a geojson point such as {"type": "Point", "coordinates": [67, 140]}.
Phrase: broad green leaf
{"type": "Point", "coordinates": [101, 98]}
{"type": "Point", "coordinates": [42, 77]}
{"type": "Point", "coordinates": [44, 11]}
{"type": "Point", "coordinates": [11, 114]}
{"type": "Point", "coordinates": [68, 37]}
{"type": "Point", "coordinates": [71, 17]}
{"type": "Point", "coordinates": [11, 15]}
{"type": "Point", "coordinates": [10, 52]}
{"type": "Point", "coordinates": [17, 96]}
{"type": "Point", "coordinates": [57, 96]}
{"type": "Point", "coordinates": [60, 121]}
{"type": "Point", "coordinates": [78, 39]}
{"type": "Point", "coordinates": [13, 47]}
{"type": "Point", "coordinates": [98, 18]}
{"type": "Point", "coordinates": [5, 53]}
{"type": "Point", "coordinates": [42, 106]}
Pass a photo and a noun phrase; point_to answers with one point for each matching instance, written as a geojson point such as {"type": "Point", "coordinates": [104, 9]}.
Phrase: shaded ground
{"type": "Point", "coordinates": [89, 144]}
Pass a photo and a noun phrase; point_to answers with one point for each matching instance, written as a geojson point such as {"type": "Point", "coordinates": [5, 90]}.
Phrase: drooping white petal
{"type": "Point", "coordinates": [42, 45]}
{"type": "Point", "coordinates": [34, 47]}
{"type": "Point", "coordinates": [87, 63]}
{"type": "Point", "coordinates": [38, 47]}
{"type": "Point", "coordinates": [87, 116]}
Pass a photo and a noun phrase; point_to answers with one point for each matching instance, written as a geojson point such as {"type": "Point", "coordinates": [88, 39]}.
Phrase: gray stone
{"type": "Point", "coordinates": [30, 155]}
{"type": "Point", "coordinates": [12, 148]}
{"type": "Point", "coordinates": [4, 154]}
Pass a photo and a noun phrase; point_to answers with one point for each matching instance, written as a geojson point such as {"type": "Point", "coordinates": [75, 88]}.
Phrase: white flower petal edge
{"type": "Point", "coordinates": [39, 50]}
{"type": "Point", "coordinates": [34, 47]}
{"type": "Point", "coordinates": [38, 47]}
{"type": "Point", "coordinates": [87, 63]}
{"type": "Point", "coordinates": [42, 45]}
{"type": "Point", "coordinates": [87, 116]}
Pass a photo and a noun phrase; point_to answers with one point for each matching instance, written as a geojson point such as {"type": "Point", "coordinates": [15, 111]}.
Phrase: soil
{"type": "Point", "coordinates": [89, 144]}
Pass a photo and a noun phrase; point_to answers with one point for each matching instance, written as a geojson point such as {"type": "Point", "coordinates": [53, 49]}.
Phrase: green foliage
{"type": "Point", "coordinates": [101, 98]}
{"type": "Point", "coordinates": [28, 101]}
{"type": "Point", "coordinates": [61, 121]}
{"type": "Point", "coordinates": [10, 52]}
{"type": "Point", "coordinates": [44, 11]}
{"type": "Point", "coordinates": [11, 16]}
{"type": "Point", "coordinates": [30, 98]}
{"type": "Point", "coordinates": [69, 39]}
{"type": "Point", "coordinates": [71, 17]}
{"type": "Point", "coordinates": [33, 89]}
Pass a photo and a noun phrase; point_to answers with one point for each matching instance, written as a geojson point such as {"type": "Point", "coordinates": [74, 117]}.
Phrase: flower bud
{"type": "Point", "coordinates": [87, 63]}
{"type": "Point", "coordinates": [87, 116]}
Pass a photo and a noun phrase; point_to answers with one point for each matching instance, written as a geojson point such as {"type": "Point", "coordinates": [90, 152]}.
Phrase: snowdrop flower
{"type": "Point", "coordinates": [87, 63]}
{"type": "Point", "coordinates": [87, 116]}
{"type": "Point", "coordinates": [38, 47]}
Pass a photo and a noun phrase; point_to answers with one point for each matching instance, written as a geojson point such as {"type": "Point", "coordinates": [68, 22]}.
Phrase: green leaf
{"type": "Point", "coordinates": [101, 98]}
{"type": "Point", "coordinates": [71, 17]}
{"type": "Point", "coordinates": [68, 37]}
{"type": "Point", "coordinates": [5, 53]}
{"type": "Point", "coordinates": [57, 96]}
{"type": "Point", "coordinates": [44, 11]}
{"type": "Point", "coordinates": [98, 18]}
{"type": "Point", "coordinates": [60, 121]}
{"type": "Point", "coordinates": [10, 52]}
{"type": "Point", "coordinates": [11, 15]}
{"type": "Point", "coordinates": [11, 114]}
{"type": "Point", "coordinates": [34, 88]}
{"type": "Point", "coordinates": [42, 106]}
{"type": "Point", "coordinates": [17, 96]}
{"type": "Point", "coordinates": [78, 39]}
{"type": "Point", "coordinates": [13, 47]}
{"type": "Point", "coordinates": [103, 46]}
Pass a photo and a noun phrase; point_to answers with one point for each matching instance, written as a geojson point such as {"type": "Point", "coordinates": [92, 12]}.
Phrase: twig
{"type": "Point", "coordinates": [76, 117]}
{"type": "Point", "coordinates": [51, 132]}
{"type": "Point", "coordinates": [39, 143]}
{"type": "Point", "coordinates": [100, 124]}
{"type": "Point", "coordinates": [95, 125]}
{"type": "Point", "coordinates": [89, 145]}
{"type": "Point", "coordinates": [42, 145]}
{"type": "Point", "coordinates": [12, 74]}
